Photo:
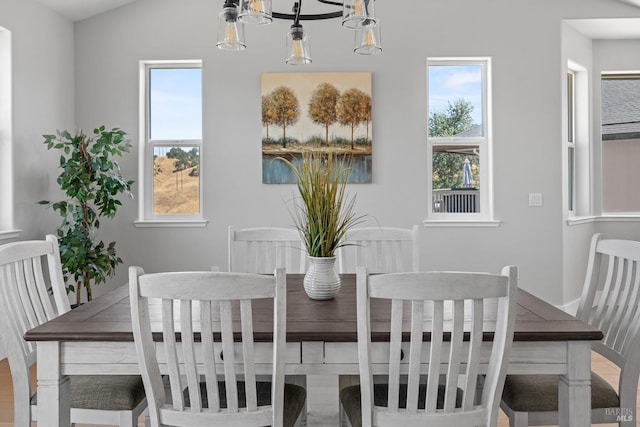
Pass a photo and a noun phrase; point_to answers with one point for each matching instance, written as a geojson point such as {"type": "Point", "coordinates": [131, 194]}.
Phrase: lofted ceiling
{"type": "Point", "coordinates": [77, 10]}
{"type": "Point", "coordinates": [629, 28]}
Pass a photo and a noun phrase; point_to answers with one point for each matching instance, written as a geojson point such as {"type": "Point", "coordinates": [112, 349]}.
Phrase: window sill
{"type": "Point", "coordinates": [626, 217]}
{"type": "Point", "coordinates": [7, 236]}
{"type": "Point", "coordinates": [577, 220]}
{"type": "Point", "coordinates": [174, 223]}
{"type": "Point", "coordinates": [460, 223]}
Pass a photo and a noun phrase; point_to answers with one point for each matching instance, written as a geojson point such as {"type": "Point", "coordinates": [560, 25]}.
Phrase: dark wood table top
{"type": "Point", "coordinates": [108, 318]}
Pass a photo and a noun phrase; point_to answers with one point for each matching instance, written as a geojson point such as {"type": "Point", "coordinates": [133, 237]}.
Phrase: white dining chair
{"type": "Point", "coordinates": [24, 304]}
{"type": "Point", "coordinates": [423, 386]}
{"type": "Point", "coordinates": [380, 249]}
{"type": "Point", "coordinates": [262, 249]}
{"type": "Point", "coordinates": [189, 305]}
{"type": "Point", "coordinates": [610, 301]}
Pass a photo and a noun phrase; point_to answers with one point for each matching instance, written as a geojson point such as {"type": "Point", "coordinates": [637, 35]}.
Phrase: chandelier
{"type": "Point", "coordinates": [357, 15]}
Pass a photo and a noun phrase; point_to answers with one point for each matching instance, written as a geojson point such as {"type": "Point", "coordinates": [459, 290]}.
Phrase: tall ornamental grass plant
{"type": "Point", "coordinates": [324, 212]}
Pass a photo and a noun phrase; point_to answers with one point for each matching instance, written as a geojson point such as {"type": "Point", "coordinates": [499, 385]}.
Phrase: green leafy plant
{"type": "Point", "coordinates": [323, 213]}
{"type": "Point", "coordinates": [91, 181]}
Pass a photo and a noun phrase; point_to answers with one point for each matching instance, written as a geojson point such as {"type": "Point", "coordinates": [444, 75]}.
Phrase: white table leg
{"type": "Point", "coordinates": [54, 392]}
{"type": "Point", "coordinates": [322, 400]}
{"type": "Point", "coordinates": [574, 389]}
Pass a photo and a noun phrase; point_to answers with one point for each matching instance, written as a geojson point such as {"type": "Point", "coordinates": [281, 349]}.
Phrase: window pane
{"type": "Point", "coordinates": [570, 170]}
{"type": "Point", "coordinates": [455, 100]}
{"type": "Point", "coordinates": [176, 180]}
{"type": "Point", "coordinates": [570, 107]}
{"type": "Point", "coordinates": [456, 178]}
{"type": "Point", "coordinates": [620, 143]}
{"type": "Point", "coordinates": [175, 103]}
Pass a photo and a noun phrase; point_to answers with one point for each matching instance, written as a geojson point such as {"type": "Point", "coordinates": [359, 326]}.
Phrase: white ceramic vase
{"type": "Point", "coordinates": [321, 282]}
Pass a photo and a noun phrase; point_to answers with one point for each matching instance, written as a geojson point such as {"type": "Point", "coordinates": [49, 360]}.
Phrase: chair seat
{"type": "Point", "coordinates": [104, 392]}
{"type": "Point", "coordinates": [539, 393]}
{"type": "Point", "coordinates": [350, 399]}
{"type": "Point", "coordinates": [294, 398]}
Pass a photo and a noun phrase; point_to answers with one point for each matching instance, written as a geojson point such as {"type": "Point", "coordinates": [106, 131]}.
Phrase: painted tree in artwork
{"type": "Point", "coordinates": [351, 109]}
{"type": "Point", "coordinates": [286, 110]}
{"type": "Point", "coordinates": [267, 112]}
{"type": "Point", "coordinates": [322, 107]}
{"type": "Point", "coordinates": [367, 112]}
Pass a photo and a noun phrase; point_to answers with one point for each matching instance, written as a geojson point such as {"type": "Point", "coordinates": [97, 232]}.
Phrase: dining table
{"type": "Point", "coordinates": [97, 339]}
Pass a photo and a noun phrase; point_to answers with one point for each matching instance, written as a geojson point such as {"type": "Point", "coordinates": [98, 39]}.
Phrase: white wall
{"type": "Point", "coordinates": [43, 101]}
{"type": "Point", "coordinates": [522, 38]}
{"type": "Point", "coordinates": [577, 50]}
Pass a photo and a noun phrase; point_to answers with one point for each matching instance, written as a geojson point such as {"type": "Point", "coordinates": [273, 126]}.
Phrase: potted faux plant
{"type": "Point", "coordinates": [91, 181]}
{"type": "Point", "coordinates": [323, 214]}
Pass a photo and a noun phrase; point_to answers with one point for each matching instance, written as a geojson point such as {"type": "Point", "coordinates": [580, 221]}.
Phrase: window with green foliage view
{"type": "Point", "coordinates": [457, 137]}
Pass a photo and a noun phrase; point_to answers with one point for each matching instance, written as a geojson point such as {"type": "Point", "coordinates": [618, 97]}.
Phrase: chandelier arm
{"type": "Point", "coordinates": [334, 3]}
{"type": "Point", "coordinates": [309, 17]}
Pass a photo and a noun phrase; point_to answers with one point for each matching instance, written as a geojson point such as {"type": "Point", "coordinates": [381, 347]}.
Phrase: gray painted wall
{"type": "Point", "coordinates": [43, 101]}
{"type": "Point", "coordinates": [524, 40]}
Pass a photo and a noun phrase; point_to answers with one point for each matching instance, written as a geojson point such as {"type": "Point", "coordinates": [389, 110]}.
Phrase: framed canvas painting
{"type": "Point", "coordinates": [327, 112]}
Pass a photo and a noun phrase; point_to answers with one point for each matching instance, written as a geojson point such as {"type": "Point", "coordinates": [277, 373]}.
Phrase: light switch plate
{"type": "Point", "coordinates": [535, 199]}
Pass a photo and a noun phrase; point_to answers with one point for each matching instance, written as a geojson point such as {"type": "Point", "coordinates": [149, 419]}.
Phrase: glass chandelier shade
{"type": "Point", "coordinates": [230, 30]}
{"type": "Point", "coordinates": [255, 11]}
{"type": "Point", "coordinates": [358, 14]}
{"type": "Point", "coordinates": [368, 41]}
{"type": "Point", "coordinates": [298, 52]}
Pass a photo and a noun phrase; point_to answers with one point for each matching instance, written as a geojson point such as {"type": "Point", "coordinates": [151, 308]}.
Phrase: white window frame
{"type": "Point", "coordinates": [577, 184]}
{"type": "Point", "coordinates": [8, 232]}
{"type": "Point", "coordinates": [570, 141]}
{"type": "Point", "coordinates": [147, 218]}
{"type": "Point", "coordinates": [485, 216]}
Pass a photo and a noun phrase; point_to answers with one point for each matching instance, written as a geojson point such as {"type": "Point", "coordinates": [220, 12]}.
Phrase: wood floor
{"type": "Point", "coordinates": [600, 365]}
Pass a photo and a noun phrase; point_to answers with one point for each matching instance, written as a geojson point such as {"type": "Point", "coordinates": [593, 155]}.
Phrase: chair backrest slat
{"type": "Point", "coordinates": [46, 310]}
{"type": "Point", "coordinates": [433, 378]}
{"type": "Point", "coordinates": [24, 274]}
{"type": "Point", "coordinates": [261, 250]}
{"type": "Point", "coordinates": [380, 249]}
{"type": "Point", "coordinates": [395, 352]}
{"type": "Point", "coordinates": [415, 355]}
{"type": "Point", "coordinates": [215, 315]}
{"type": "Point", "coordinates": [626, 321]}
{"type": "Point", "coordinates": [189, 355]}
{"type": "Point", "coordinates": [228, 354]}
{"type": "Point", "coordinates": [171, 354]}
{"type": "Point", "coordinates": [455, 350]}
{"type": "Point", "coordinates": [475, 347]}
{"type": "Point", "coordinates": [208, 349]}
{"type": "Point", "coordinates": [248, 354]}
{"type": "Point", "coordinates": [455, 347]}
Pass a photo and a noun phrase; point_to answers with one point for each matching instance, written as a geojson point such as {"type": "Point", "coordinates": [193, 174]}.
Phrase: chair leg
{"type": "Point", "coordinates": [519, 419]}
{"type": "Point", "coordinates": [147, 418]}
{"type": "Point", "coordinates": [127, 419]}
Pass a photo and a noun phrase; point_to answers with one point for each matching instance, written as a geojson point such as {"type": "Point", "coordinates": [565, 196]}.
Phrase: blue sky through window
{"type": "Point", "coordinates": [175, 103]}
{"type": "Point", "coordinates": [448, 83]}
